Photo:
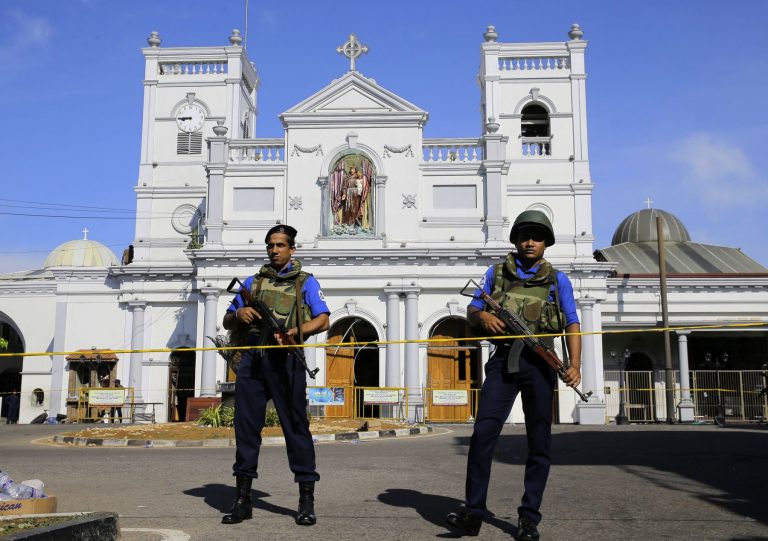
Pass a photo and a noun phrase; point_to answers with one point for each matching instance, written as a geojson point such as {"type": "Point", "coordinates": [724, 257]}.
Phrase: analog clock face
{"type": "Point", "coordinates": [190, 118]}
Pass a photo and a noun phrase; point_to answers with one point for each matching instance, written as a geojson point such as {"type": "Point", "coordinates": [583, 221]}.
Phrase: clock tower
{"type": "Point", "coordinates": [187, 91]}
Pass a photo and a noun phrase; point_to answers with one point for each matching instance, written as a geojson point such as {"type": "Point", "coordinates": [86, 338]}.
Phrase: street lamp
{"type": "Point", "coordinates": [621, 417]}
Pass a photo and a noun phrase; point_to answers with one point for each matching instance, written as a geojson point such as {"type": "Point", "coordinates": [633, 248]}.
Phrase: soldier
{"type": "Point", "coordinates": [529, 286]}
{"type": "Point", "coordinates": [294, 297]}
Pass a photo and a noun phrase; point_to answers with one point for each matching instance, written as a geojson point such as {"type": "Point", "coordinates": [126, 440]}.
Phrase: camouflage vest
{"type": "Point", "coordinates": [529, 297]}
{"type": "Point", "coordinates": [282, 293]}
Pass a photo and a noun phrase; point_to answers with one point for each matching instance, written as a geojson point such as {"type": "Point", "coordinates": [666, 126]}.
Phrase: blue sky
{"type": "Point", "coordinates": [675, 94]}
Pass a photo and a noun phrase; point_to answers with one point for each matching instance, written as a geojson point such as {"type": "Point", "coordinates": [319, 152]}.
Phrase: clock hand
{"type": "Point", "coordinates": [185, 118]}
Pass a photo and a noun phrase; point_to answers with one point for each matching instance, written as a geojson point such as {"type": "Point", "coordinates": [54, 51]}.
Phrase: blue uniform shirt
{"type": "Point", "coordinates": [564, 290]}
{"type": "Point", "coordinates": [313, 295]}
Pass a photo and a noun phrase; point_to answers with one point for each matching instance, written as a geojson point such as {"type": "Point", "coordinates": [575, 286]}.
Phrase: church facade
{"type": "Point", "coordinates": [391, 223]}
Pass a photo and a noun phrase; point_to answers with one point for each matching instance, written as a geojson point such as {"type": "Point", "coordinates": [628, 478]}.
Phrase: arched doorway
{"type": "Point", "coordinates": [453, 372]}
{"type": "Point", "coordinates": [181, 383]}
{"type": "Point", "coordinates": [353, 365]}
{"type": "Point", "coordinates": [10, 367]}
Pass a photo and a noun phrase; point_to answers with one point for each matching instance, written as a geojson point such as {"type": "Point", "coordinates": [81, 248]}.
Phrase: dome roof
{"type": "Point", "coordinates": [641, 227]}
{"type": "Point", "coordinates": [81, 253]}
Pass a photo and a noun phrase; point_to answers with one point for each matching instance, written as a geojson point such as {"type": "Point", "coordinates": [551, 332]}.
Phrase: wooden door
{"type": "Point", "coordinates": [340, 372]}
{"type": "Point", "coordinates": [449, 368]}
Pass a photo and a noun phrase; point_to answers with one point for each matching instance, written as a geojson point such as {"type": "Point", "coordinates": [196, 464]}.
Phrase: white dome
{"type": "Point", "coordinates": [81, 253]}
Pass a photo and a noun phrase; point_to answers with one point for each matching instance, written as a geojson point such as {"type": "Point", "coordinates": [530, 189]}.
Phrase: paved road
{"type": "Point", "coordinates": [612, 483]}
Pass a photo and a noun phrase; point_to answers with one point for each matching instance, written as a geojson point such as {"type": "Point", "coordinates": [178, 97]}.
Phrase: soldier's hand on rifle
{"type": "Point", "coordinates": [572, 376]}
{"type": "Point", "coordinates": [247, 315]}
{"type": "Point", "coordinates": [292, 332]}
{"type": "Point", "coordinates": [490, 323]}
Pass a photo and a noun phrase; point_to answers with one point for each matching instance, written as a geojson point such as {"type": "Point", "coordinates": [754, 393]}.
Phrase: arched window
{"type": "Point", "coordinates": [535, 132]}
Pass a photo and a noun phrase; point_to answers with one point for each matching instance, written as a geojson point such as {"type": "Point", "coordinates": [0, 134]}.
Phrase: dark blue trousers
{"type": "Point", "coordinates": [535, 382]}
{"type": "Point", "coordinates": [278, 376]}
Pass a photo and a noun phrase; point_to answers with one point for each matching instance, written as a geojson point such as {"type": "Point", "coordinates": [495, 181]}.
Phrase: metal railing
{"type": "Point", "coordinates": [385, 403]}
{"type": "Point", "coordinates": [450, 405]}
{"type": "Point", "coordinates": [645, 398]}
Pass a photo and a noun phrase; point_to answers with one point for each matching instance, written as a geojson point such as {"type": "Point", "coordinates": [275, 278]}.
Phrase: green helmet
{"type": "Point", "coordinates": [533, 218]}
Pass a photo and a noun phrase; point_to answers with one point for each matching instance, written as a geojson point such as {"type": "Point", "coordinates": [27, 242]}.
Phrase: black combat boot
{"type": "Point", "coordinates": [306, 513]}
{"type": "Point", "coordinates": [242, 508]}
{"type": "Point", "coordinates": [464, 521]}
{"type": "Point", "coordinates": [526, 530]}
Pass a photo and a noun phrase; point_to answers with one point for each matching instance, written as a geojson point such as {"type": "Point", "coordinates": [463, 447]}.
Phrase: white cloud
{"type": "Point", "coordinates": [23, 31]}
{"type": "Point", "coordinates": [718, 171]}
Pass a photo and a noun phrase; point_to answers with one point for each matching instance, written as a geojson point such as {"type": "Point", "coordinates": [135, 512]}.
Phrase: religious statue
{"type": "Point", "coordinates": [351, 207]}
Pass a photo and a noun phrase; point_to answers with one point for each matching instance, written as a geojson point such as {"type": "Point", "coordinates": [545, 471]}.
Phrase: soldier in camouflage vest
{"type": "Point", "coordinates": [295, 298]}
{"type": "Point", "coordinates": [542, 296]}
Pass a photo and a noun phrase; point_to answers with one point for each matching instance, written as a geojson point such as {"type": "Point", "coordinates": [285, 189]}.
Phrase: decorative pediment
{"type": "Point", "coordinates": [353, 95]}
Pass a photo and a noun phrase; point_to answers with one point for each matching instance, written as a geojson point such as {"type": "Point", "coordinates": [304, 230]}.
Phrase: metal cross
{"type": "Point", "coordinates": [85, 233]}
{"type": "Point", "coordinates": [648, 202]}
{"type": "Point", "coordinates": [352, 49]}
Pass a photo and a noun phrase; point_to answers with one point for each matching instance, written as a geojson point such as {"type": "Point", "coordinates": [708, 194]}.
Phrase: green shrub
{"type": "Point", "coordinates": [271, 418]}
{"type": "Point", "coordinates": [217, 416]}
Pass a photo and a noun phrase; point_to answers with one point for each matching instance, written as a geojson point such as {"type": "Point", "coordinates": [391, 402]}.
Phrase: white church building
{"type": "Point", "coordinates": [391, 223]}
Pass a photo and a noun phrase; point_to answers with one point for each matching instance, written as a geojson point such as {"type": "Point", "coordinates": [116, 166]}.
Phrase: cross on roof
{"type": "Point", "coordinates": [352, 49]}
{"type": "Point", "coordinates": [85, 233]}
{"type": "Point", "coordinates": [648, 202]}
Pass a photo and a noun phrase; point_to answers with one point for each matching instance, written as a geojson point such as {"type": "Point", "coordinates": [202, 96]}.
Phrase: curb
{"type": "Point", "coordinates": [97, 526]}
{"type": "Point", "coordinates": [230, 442]}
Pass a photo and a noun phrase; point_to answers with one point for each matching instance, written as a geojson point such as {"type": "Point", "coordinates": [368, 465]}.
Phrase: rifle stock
{"type": "Point", "coordinates": [270, 324]}
{"type": "Point", "coordinates": [517, 327]}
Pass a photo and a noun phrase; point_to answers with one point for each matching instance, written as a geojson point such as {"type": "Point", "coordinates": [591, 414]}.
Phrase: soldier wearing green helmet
{"type": "Point", "coordinates": [533, 218]}
{"type": "Point", "coordinates": [542, 296]}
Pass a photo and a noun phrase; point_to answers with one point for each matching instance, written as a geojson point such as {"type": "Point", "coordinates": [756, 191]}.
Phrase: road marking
{"type": "Point", "coordinates": [168, 535]}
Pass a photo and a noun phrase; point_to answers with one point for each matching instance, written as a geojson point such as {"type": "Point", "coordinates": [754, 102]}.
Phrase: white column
{"type": "Point", "coordinates": [210, 318]}
{"type": "Point", "coordinates": [325, 205]}
{"type": "Point", "coordinates": [392, 378]}
{"type": "Point", "coordinates": [685, 409]}
{"type": "Point", "coordinates": [59, 386]}
{"type": "Point", "coordinates": [412, 354]}
{"type": "Point", "coordinates": [218, 154]}
{"type": "Point", "coordinates": [593, 411]}
{"type": "Point", "coordinates": [137, 342]}
{"type": "Point", "coordinates": [379, 223]}
{"type": "Point", "coordinates": [495, 188]}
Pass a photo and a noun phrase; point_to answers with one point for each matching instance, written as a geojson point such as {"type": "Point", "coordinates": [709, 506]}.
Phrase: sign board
{"type": "Point", "coordinates": [106, 397]}
{"type": "Point", "coordinates": [325, 396]}
{"type": "Point", "coordinates": [381, 396]}
{"type": "Point", "coordinates": [450, 397]}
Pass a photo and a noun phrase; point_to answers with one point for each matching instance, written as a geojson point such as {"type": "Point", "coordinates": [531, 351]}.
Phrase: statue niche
{"type": "Point", "coordinates": [351, 196]}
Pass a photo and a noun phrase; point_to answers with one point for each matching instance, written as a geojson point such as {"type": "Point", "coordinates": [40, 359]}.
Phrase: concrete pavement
{"type": "Point", "coordinates": [624, 483]}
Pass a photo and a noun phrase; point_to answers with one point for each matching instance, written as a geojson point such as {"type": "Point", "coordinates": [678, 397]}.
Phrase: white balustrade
{"type": "Point", "coordinates": [252, 151]}
{"type": "Point", "coordinates": [537, 147]}
{"type": "Point", "coordinates": [452, 150]}
{"type": "Point", "coordinates": [534, 63]}
{"type": "Point", "coordinates": [192, 68]}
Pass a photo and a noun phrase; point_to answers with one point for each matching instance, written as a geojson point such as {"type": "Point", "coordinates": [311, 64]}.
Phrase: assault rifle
{"type": "Point", "coordinates": [270, 325]}
{"type": "Point", "coordinates": [517, 326]}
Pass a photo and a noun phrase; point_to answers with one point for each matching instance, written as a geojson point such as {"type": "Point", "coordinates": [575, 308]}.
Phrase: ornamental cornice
{"type": "Point", "coordinates": [152, 272]}
{"type": "Point", "coordinates": [354, 120]}
{"type": "Point", "coordinates": [722, 285]}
